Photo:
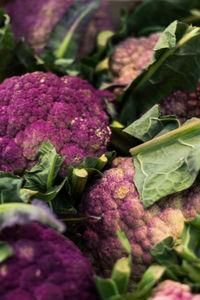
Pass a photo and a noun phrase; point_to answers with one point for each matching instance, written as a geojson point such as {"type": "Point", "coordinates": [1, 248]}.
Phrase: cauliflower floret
{"type": "Point", "coordinates": [115, 200]}
{"type": "Point", "coordinates": [130, 57]}
{"type": "Point", "coordinates": [183, 104]}
{"type": "Point", "coordinates": [45, 265]}
{"type": "Point", "coordinates": [39, 106]}
{"type": "Point", "coordinates": [172, 290]}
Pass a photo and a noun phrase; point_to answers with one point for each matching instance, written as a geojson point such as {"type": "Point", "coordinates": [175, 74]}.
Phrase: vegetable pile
{"type": "Point", "coordinates": [99, 150]}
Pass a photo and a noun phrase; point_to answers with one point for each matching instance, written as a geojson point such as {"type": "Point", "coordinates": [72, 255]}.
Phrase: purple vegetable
{"type": "Point", "coordinates": [45, 266]}
{"type": "Point", "coordinates": [115, 199]}
{"type": "Point", "coordinates": [172, 290]}
{"type": "Point", "coordinates": [183, 104]}
{"type": "Point", "coordinates": [39, 106]}
{"type": "Point", "coordinates": [34, 19]}
{"type": "Point", "coordinates": [130, 57]}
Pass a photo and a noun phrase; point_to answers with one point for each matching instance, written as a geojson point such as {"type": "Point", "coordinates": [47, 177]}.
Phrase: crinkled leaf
{"type": "Point", "coordinates": [175, 65]}
{"type": "Point", "coordinates": [167, 164]}
{"type": "Point", "coordinates": [20, 213]}
{"type": "Point", "coordinates": [66, 35]}
{"type": "Point", "coordinates": [160, 13]}
{"type": "Point", "coordinates": [41, 177]}
{"type": "Point", "coordinates": [5, 251]}
{"type": "Point", "coordinates": [152, 124]}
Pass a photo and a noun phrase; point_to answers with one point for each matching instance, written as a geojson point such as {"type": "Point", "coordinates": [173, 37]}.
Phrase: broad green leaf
{"type": "Point", "coordinates": [51, 193]}
{"type": "Point", "coordinates": [65, 37]}
{"type": "Point", "coordinates": [10, 189]}
{"type": "Point", "coordinates": [160, 13]}
{"type": "Point", "coordinates": [20, 213]}
{"type": "Point", "coordinates": [41, 177]}
{"type": "Point", "coordinates": [106, 287]}
{"type": "Point", "coordinates": [175, 65]}
{"type": "Point", "coordinates": [152, 124]}
{"type": "Point", "coordinates": [167, 164]}
{"type": "Point", "coordinates": [5, 251]}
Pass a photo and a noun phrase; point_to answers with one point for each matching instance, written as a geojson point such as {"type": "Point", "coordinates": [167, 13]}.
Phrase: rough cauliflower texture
{"type": "Point", "coordinates": [115, 199]}
{"type": "Point", "coordinates": [172, 290]}
{"type": "Point", "coordinates": [183, 104]}
{"type": "Point", "coordinates": [39, 106]}
{"type": "Point", "coordinates": [34, 19]}
{"type": "Point", "coordinates": [45, 266]}
{"type": "Point", "coordinates": [130, 57]}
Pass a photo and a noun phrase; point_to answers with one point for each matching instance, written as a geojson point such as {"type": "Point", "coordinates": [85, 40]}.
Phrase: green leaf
{"type": "Point", "coordinates": [106, 287]}
{"type": "Point", "coordinates": [125, 242]}
{"type": "Point", "coordinates": [160, 13]}
{"type": "Point", "coordinates": [27, 57]}
{"type": "Point", "coordinates": [175, 65]}
{"type": "Point", "coordinates": [181, 258]}
{"type": "Point", "coordinates": [5, 251]}
{"type": "Point", "coordinates": [7, 45]}
{"type": "Point", "coordinates": [152, 124]}
{"type": "Point", "coordinates": [52, 192]}
{"type": "Point", "coordinates": [65, 37]}
{"type": "Point", "coordinates": [121, 274]}
{"type": "Point", "coordinates": [105, 45]}
{"type": "Point", "coordinates": [41, 177]}
{"type": "Point", "coordinates": [144, 288]}
{"type": "Point", "coordinates": [167, 164]}
{"type": "Point", "coordinates": [164, 252]}
{"type": "Point", "coordinates": [20, 213]}
{"type": "Point", "coordinates": [10, 189]}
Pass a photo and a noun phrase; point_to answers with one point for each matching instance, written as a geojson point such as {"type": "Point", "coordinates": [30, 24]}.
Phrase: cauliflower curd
{"type": "Point", "coordinates": [39, 106]}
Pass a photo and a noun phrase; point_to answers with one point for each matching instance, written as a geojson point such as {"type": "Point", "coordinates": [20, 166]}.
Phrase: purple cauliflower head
{"type": "Point", "coordinates": [172, 290]}
{"type": "Point", "coordinates": [183, 104]}
{"type": "Point", "coordinates": [39, 106]}
{"type": "Point", "coordinates": [130, 57]}
{"type": "Point", "coordinates": [45, 266]}
{"type": "Point", "coordinates": [34, 20]}
{"type": "Point", "coordinates": [115, 199]}
{"type": "Point", "coordinates": [127, 62]}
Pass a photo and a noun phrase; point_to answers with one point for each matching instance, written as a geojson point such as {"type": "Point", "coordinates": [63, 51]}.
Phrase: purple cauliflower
{"type": "Point", "coordinates": [172, 290]}
{"type": "Point", "coordinates": [130, 57]}
{"type": "Point", "coordinates": [34, 19]}
{"type": "Point", "coordinates": [45, 266]}
{"type": "Point", "coordinates": [115, 200]}
{"type": "Point", "coordinates": [128, 60]}
{"type": "Point", "coordinates": [183, 104]}
{"type": "Point", "coordinates": [39, 106]}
